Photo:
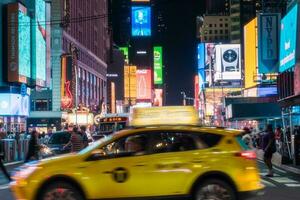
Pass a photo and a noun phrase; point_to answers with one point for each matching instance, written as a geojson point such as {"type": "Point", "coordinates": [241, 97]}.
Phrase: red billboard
{"type": "Point", "coordinates": [144, 84]}
{"type": "Point", "coordinates": [197, 91]}
{"type": "Point", "coordinates": [158, 98]}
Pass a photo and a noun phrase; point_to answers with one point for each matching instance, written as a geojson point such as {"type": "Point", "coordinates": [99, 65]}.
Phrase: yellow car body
{"type": "Point", "coordinates": [95, 174]}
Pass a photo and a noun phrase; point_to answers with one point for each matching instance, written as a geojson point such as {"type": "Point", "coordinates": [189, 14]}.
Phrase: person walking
{"type": "Point", "coordinates": [2, 154]}
{"type": "Point", "coordinates": [76, 141]}
{"type": "Point", "coordinates": [85, 139]}
{"type": "Point", "coordinates": [33, 147]}
{"type": "Point", "coordinates": [247, 137]}
{"type": "Point", "coordinates": [269, 147]}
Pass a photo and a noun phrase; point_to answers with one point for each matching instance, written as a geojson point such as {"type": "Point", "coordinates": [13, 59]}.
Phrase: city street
{"type": "Point", "coordinates": [283, 186]}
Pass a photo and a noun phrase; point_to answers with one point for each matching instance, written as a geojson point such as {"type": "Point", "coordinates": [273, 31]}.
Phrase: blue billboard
{"type": "Point", "coordinates": [201, 65]}
{"type": "Point", "coordinates": [141, 21]}
{"type": "Point", "coordinates": [288, 38]}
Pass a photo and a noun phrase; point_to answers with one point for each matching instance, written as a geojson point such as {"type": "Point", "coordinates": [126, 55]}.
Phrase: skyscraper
{"type": "Point", "coordinates": [217, 7]}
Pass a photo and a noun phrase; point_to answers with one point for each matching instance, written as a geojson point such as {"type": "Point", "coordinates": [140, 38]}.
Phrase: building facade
{"type": "Point", "coordinates": [83, 26]}
{"type": "Point", "coordinates": [217, 7]}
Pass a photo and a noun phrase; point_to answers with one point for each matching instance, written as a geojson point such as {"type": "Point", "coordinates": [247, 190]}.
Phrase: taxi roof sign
{"type": "Point", "coordinates": [166, 115]}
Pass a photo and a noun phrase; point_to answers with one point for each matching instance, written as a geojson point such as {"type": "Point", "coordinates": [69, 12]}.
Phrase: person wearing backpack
{"type": "Point", "coordinates": [269, 147]}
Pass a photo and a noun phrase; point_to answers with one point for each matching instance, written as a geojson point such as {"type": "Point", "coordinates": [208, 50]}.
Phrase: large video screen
{"type": "Point", "coordinates": [201, 65]}
{"type": "Point", "coordinates": [14, 104]}
{"type": "Point", "coordinates": [144, 84]}
{"type": "Point", "coordinates": [288, 38]}
{"type": "Point", "coordinates": [24, 45]}
{"type": "Point", "coordinates": [141, 21]}
{"type": "Point", "coordinates": [40, 39]}
{"type": "Point", "coordinates": [158, 65]}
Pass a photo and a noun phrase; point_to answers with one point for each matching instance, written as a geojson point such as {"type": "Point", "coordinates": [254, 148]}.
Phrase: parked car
{"type": "Point", "coordinates": [56, 143]}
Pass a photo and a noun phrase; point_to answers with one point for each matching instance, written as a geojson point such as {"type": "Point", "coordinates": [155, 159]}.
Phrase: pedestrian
{"type": "Point", "coordinates": [33, 147]}
{"type": "Point", "coordinates": [85, 139]}
{"type": "Point", "coordinates": [247, 137]}
{"type": "Point", "coordinates": [76, 141]}
{"type": "Point", "coordinates": [278, 136]}
{"type": "Point", "coordinates": [2, 154]}
{"type": "Point", "coordinates": [269, 147]}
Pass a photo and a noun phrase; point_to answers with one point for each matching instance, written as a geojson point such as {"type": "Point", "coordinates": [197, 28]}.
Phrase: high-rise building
{"type": "Point", "coordinates": [84, 27]}
{"type": "Point", "coordinates": [214, 29]}
{"type": "Point", "coordinates": [242, 11]}
{"type": "Point", "coordinates": [217, 7]}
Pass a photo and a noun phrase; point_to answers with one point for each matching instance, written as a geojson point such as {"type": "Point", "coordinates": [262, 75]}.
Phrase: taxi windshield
{"type": "Point", "coordinates": [95, 144]}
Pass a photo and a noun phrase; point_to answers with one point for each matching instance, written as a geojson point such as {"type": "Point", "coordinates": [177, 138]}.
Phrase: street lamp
{"type": "Point", "coordinates": [184, 98]}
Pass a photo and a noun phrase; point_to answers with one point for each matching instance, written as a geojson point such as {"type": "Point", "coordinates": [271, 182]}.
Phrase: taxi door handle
{"type": "Point", "coordinates": [140, 165]}
{"type": "Point", "coordinates": [107, 172]}
{"type": "Point", "coordinates": [197, 161]}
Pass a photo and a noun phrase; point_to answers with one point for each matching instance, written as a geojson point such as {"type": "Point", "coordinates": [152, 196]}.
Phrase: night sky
{"type": "Point", "coordinates": [180, 47]}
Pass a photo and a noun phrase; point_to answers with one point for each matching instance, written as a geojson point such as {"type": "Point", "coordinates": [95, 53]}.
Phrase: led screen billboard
{"type": "Point", "coordinates": [141, 21]}
{"type": "Point", "coordinates": [130, 84]}
{"type": "Point", "coordinates": [288, 38]}
{"type": "Point", "coordinates": [158, 97]}
{"type": "Point", "coordinates": [158, 65]}
{"type": "Point", "coordinates": [144, 84]}
{"type": "Point", "coordinates": [125, 53]}
{"type": "Point", "coordinates": [201, 65]}
{"type": "Point", "coordinates": [250, 41]}
{"type": "Point", "coordinates": [67, 91]}
{"type": "Point", "coordinates": [268, 42]}
{"type": "Point", "coordinates": [14, 104]}
{"type": "Point", "coordinates": [196, 92]}
{"type": "Point", "coordinates": [210, 59]}
{"type": "Point", "coordinates": [228, 62]}
{"type": "Point", "coordinates": [18, 44]}
{"type": "Point", "coordinates": [39, 43]}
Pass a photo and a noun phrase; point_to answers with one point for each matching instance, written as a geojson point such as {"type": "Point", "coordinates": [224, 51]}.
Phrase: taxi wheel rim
{"type": "Point", "coordinates": [213, 192]}
{"type": "Point", "coordinates": [59, 194]}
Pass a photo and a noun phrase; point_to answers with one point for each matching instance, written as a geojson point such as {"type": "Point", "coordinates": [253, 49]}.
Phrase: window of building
{"type": "Point", "coordinates": [221, 25]}
{"type": "Point", "coordinates": [215, 25]}
{"type": "Point", "coordinates": [205, 38]}
{"type": "Point", "coordinates": [216, 31]}
{"type": "Point", "coordinates": [226, 25]}
{"type": "Point", "coordinates": [221, 19]}
{"type": "Point", "coordinates": [210, 31]}
{"type": "Point", "coordinates": [210, 25]}
{"type": "Point", "coordinates": [221, 31]}
{"type": "Point", "coordinates": [226, 31]}
{"type": "Point", "coordinates": [41, 105]}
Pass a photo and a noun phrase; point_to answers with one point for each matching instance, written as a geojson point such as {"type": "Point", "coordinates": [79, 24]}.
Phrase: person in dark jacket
{"type": "Point", "coordinates": [3, 169]}
{"type": "Point", "coordinates": [269, 147]}
{"type": "Point", "coordinates": [33, 147]}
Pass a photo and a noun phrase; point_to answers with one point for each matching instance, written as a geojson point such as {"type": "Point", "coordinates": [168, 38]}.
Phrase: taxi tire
{"type": "Point", "coordinates": [61, 184]}
{"type": "Point", "coordinates": [223, 184]}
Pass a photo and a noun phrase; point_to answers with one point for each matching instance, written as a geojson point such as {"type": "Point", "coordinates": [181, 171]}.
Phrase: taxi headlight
{"type": "Point", "coordinates": [25, 172]}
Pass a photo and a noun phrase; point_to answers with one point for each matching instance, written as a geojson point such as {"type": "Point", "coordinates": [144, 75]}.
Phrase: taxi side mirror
{"type": "Point", "coordinates": [97, 154]}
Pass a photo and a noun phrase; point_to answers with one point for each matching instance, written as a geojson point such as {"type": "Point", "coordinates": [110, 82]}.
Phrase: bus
{"type": "Point", "coordinates": [110, 123]}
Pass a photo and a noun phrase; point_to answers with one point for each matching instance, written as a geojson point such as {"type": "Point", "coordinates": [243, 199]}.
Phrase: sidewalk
{"type": "Point", "coordinates": [276, 160]}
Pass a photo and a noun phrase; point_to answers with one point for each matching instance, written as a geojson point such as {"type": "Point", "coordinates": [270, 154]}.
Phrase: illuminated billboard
{"type": "Point", "coordinates": [288, 38]}
{"type": "Point", "coordinates": [268, 42]}
{"type": "Point", "coordinates": [196, 92]}
{"type": "Point", "coordinates": [130, 84]}
{"type": "Point", "coordinates": [210, 59]}
{"type": "Point", "coordinates": [141, 21]}
{"type": "Point", "coordinates": [158, 65]}
{"type": "Point", "coordinates": [144, 84]}
{"type": "Point", "coordinates": [201, 65]}
{"type": "Point", "coordinates": [158, 97]}
{"type": "Point", "coordinates": [228, 62]}
{"type": "Point", "coordinates": [14, 104]}
{"type": "Point", "coordinates": [67, 90]}
{"type": "Point", "coordinates": [39, 44]}
{"type": "Point", "coordinates": [19, 48]}
{"type": "Point", "coordinates": [250, 41]}
{"type": "Point", "coordinates": [126, 54]}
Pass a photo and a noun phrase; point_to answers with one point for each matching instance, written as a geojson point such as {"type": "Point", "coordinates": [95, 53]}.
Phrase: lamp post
{"type": "Point", "coordinates": [184, 98]}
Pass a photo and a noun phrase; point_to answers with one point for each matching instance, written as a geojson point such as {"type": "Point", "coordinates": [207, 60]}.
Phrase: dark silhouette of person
{"type": "Point", "coordinates": [32, 147]}
{"type": "Point", "coordinates": [3, 169]}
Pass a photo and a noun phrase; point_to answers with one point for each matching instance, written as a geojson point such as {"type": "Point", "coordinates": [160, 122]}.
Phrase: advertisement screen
{"type": "Point", "coordinates": [144, 84]}
{"type": "Point", "coordinates": [141, 21]}
{"type": "Point", "coordinates": [288, 37]}
{"type": "Point", "coordinates": [196, 92]}
{"type": "Point", "coordinates": [24, 45]}
{"type": "Point", "coordinates": [40, 42]}
{"type": "Point", "coordinates": [250, 41]}
{"type": "Point", "coordinates": [228, 62]}
{"type": "Point", "coordinates": [268, 37]}
{"type": "Point", "coordinates": [201, 65]}
{"type": "Point", "coordinates": [210, 59]}
{"type": "Point", "coordinates": [14, 104]}
{"type": "Point", "coordinates": [125, 53]}
{"type": "Point", "coordinates": [130, 84]}
{"type": "Point", "coordinates": [158, 65]}
{"type": "Point", "coordinates": [67, 95]}
{"type": "Point", "coordinates": [158, 98]}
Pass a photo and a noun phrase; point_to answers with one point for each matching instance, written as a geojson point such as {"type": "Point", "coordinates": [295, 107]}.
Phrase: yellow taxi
{"type": "Point", "coordinates": [148, 161]}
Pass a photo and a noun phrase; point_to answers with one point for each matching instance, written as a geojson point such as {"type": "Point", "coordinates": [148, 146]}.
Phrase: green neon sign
{"type": "Point", "coordinates": [125, 53]}
{"type": "Point", "coordinates": [158, 65]}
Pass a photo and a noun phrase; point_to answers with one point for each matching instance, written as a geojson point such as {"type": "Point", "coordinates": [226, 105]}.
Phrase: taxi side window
{"type": "Point", "coordinates": [132, 145]}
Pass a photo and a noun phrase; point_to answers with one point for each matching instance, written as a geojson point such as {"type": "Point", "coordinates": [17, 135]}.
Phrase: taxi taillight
{"type": "Point", "coordinates": [247, 154]}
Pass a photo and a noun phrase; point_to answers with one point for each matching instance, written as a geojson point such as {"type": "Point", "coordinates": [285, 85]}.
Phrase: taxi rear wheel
{"type": "Point", "coordinates": [60, 191]}
{"type": "Point", "coordinates": [214, 189]}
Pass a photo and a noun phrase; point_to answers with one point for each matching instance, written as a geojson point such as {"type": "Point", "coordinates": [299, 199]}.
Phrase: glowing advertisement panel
{"type": "Point", "coordinates": [250, 41]}
{"type": "Point", "coordinates": [268, 45]}
{"type": "Point", "coordinates": [201, 65]}
{"type": "Point", "coordinates": [158, 97]}
{"type": "Point", "coordinates": [288, 38]}
{"type": "Point", "coordinates": [144, 84]}
{"type": "Point", "coordinates": [228, 62]}
{"type": "Point", "coordinates": [158, 65]}
{"type": "Point", "coordinates": [210, 59]}
{"type": "Point", "coordinates": [141, 21]}
{"type": "Point", "coordinates": [14, 104]}
{"type": "Point", "coordinates": [18, 44]}
{"type": "Point", "coordinates": [39, 64]}
{"type": "Point", "coordinates": [196, 92]}
{"type": "Point", "coordinates": [125, 53]}
{"type": "Point", "coordinates": [130, 84]}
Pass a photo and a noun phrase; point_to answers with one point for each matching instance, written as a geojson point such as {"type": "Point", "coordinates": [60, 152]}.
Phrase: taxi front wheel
{"type": "Point", "coordinates": [60, 190]}
{"type": "Point", "coordinates": [214, 189]}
